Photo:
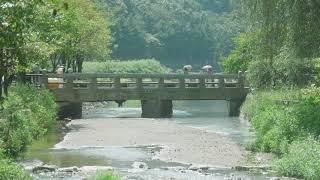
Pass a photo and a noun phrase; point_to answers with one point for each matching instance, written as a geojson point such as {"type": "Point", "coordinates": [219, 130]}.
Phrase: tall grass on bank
{"type": "Point", "coordinates": [287, 123]}
{"type": "Point", "coordinates": [146, 66]}
{"type": "Point", "coordinates": [106, 175]}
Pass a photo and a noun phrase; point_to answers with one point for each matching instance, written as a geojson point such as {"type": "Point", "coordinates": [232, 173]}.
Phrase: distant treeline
{"type": "Point", "coordinates": [174, 32]}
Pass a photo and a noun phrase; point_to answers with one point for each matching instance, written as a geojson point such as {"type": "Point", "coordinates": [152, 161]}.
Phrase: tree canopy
{"type": "Point", "coordinates": [287, 44]}
{"type": "Point", "coordinates": [32, 32]}
{"type": "Point", "coordinates": [175, 32]}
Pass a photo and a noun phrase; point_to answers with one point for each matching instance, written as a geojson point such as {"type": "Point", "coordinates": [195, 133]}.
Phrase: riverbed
{"type": "Point", "coordinates": [199, 142]}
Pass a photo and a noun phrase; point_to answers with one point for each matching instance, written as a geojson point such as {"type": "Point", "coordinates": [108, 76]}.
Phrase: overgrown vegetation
{"type": "Point", "coordinates": [287, 123]}
{"type": "Point", "coordinates": [175, 32]}
{"type": "Point", "coordinates": [134, 66]}
{"type": "Point", "coordinates": [106, 175]}
{"type": "Point", "coordinates": [280, 52]}
{"type": "Point", "coordinates": [49, 33]}
{"type": "Point", "coordinates": [280, 44]}
{"type": "Point", "coordinates": [26, 115]}
{"type": "Point", "coordinates": [10, 170]}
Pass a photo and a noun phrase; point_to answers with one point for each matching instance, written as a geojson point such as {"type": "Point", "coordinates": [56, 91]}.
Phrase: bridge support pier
{"type": "Point", "coordinates": [156, 108]}
{"type": "Point", "coordinates": [234, 107]}
{"type": "Point", "coordinates": [70, 110]}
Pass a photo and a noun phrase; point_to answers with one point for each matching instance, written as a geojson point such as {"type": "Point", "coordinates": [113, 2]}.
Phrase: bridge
{"type": "Point", "coordinates": [156, 91]}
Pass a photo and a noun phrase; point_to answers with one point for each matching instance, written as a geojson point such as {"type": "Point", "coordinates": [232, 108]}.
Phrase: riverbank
{"type": "Point", "coordinates": [178, 143]}
{"type": "Point", "coordinates": [286, 122]}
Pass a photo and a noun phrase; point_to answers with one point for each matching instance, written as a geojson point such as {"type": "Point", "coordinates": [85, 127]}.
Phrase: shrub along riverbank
{"type": "Point", "coordinates": [287, 123]}
{"type": "Point", "coordinates": [26, 114]}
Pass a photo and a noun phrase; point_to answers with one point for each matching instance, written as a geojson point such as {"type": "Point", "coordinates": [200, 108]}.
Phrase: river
{"type": "Point", "coordinates": [199, 142]}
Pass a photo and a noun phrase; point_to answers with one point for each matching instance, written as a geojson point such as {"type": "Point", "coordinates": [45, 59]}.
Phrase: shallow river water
{"type": "Point", "coordinates": [210, 116]}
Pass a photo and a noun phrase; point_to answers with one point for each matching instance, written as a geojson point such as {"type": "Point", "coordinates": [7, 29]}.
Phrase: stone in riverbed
{"type": "Point", "coordinates": [69, 169]}
{"type": "Point", "coordinates": [140, 165]}
{"type": "Point", "coordinates": [96, 168]}
{"type": "Point", "coordinates": [250, 168]}
{"type": "Point", "coordinates": [44, 169]}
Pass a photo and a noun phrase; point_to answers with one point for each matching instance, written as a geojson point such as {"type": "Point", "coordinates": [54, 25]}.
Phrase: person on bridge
{"type": "Point", "coordinates": [207, 69]}
{"type": "Point", "coordinates": [187, 69]}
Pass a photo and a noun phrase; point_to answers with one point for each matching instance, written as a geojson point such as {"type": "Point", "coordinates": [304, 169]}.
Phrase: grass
{"type": "Point", "coordinates": [106, 175]}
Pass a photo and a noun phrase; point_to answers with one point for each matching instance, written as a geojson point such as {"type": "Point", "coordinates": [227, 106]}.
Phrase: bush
{"type": "Point", "coordinates": [273, 120]}
{"type": "Point", "coordinates": [106, 175]}
{"type": "Point", "coordinates": [308, 110]}
{"type": "Point", "coordinates": [288, 123]}
{"type": "Point", "coordinates": [10, 171]}
{"type": "Point", "coordinates": [147, 66]}
{"type": "Point", "coordinates": [302, 160]}
{"type": "Point", "coordinates": [27, 114]}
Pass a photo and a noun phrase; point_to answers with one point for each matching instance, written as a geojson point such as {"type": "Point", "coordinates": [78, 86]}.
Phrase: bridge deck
{"type": "Point", "coordinates": [99, 87]}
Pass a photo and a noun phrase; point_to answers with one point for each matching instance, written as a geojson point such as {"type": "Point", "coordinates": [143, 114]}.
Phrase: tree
{"type": "Point", "coordinates": [288, 42]}
{"type": "Point", "coordinates": [82, 33]}
{"type": "Point", "coordinates": [19, 40]}
{"type": "Point", "coordinates": [36, 31]}
{"type": "Point", "coordinates": [176, 32]}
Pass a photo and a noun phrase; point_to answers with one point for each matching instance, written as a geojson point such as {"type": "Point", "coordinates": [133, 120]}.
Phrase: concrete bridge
{"type": "Point", "coordinates": [156, 91]}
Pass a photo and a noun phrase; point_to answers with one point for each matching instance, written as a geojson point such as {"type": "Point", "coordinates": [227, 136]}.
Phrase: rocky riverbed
{"type": "Point", "coordinates": [148, 149]}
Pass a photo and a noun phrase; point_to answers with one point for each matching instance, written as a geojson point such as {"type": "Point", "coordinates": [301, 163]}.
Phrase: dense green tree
{"type": "Point", "coordinates": [81, 33]}
{"type": "Point", "coordinates": [175, 32]}
{"type": "Point", "coordinates": [288, 40]}
{"type": "Point", "coordinates": [32, 32]}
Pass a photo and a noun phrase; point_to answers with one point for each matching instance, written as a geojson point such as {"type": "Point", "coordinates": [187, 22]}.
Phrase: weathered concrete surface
{"type": "Point", "coordinates": [156, 108]}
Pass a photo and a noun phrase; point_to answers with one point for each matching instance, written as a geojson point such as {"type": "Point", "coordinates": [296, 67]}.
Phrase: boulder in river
{"type": "Point", "coordinates": [44, 169]}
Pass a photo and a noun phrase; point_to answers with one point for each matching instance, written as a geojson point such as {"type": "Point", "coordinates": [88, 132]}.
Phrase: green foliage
{"type": "Point", "coordinates": [308, 112]}
{"type": "Point", "coordinates": [183, 31]}
{"type": "Point", "coordinates": [65, 32]}
{"type": "Point", "coordinates": [134, 66]}
{"type": "Point", "coordinates": [288, 41]}
{"type": "Point", "coordinates": [272, 120]}
{"type": "Point", "coordinates": [239, 58]}
{"type": "Point", "coordinates": [82, 33]}
{"type": "Point", "coordinates": [106, 175]}
{"type": "Point", "coordinates": [302, 160]}
{"type": "Point", "coordinates": [286, 122]}
{"type": "Point", "coordinates": [27, 114]}
{"type": "Point", "coordinates": [10, 170]}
